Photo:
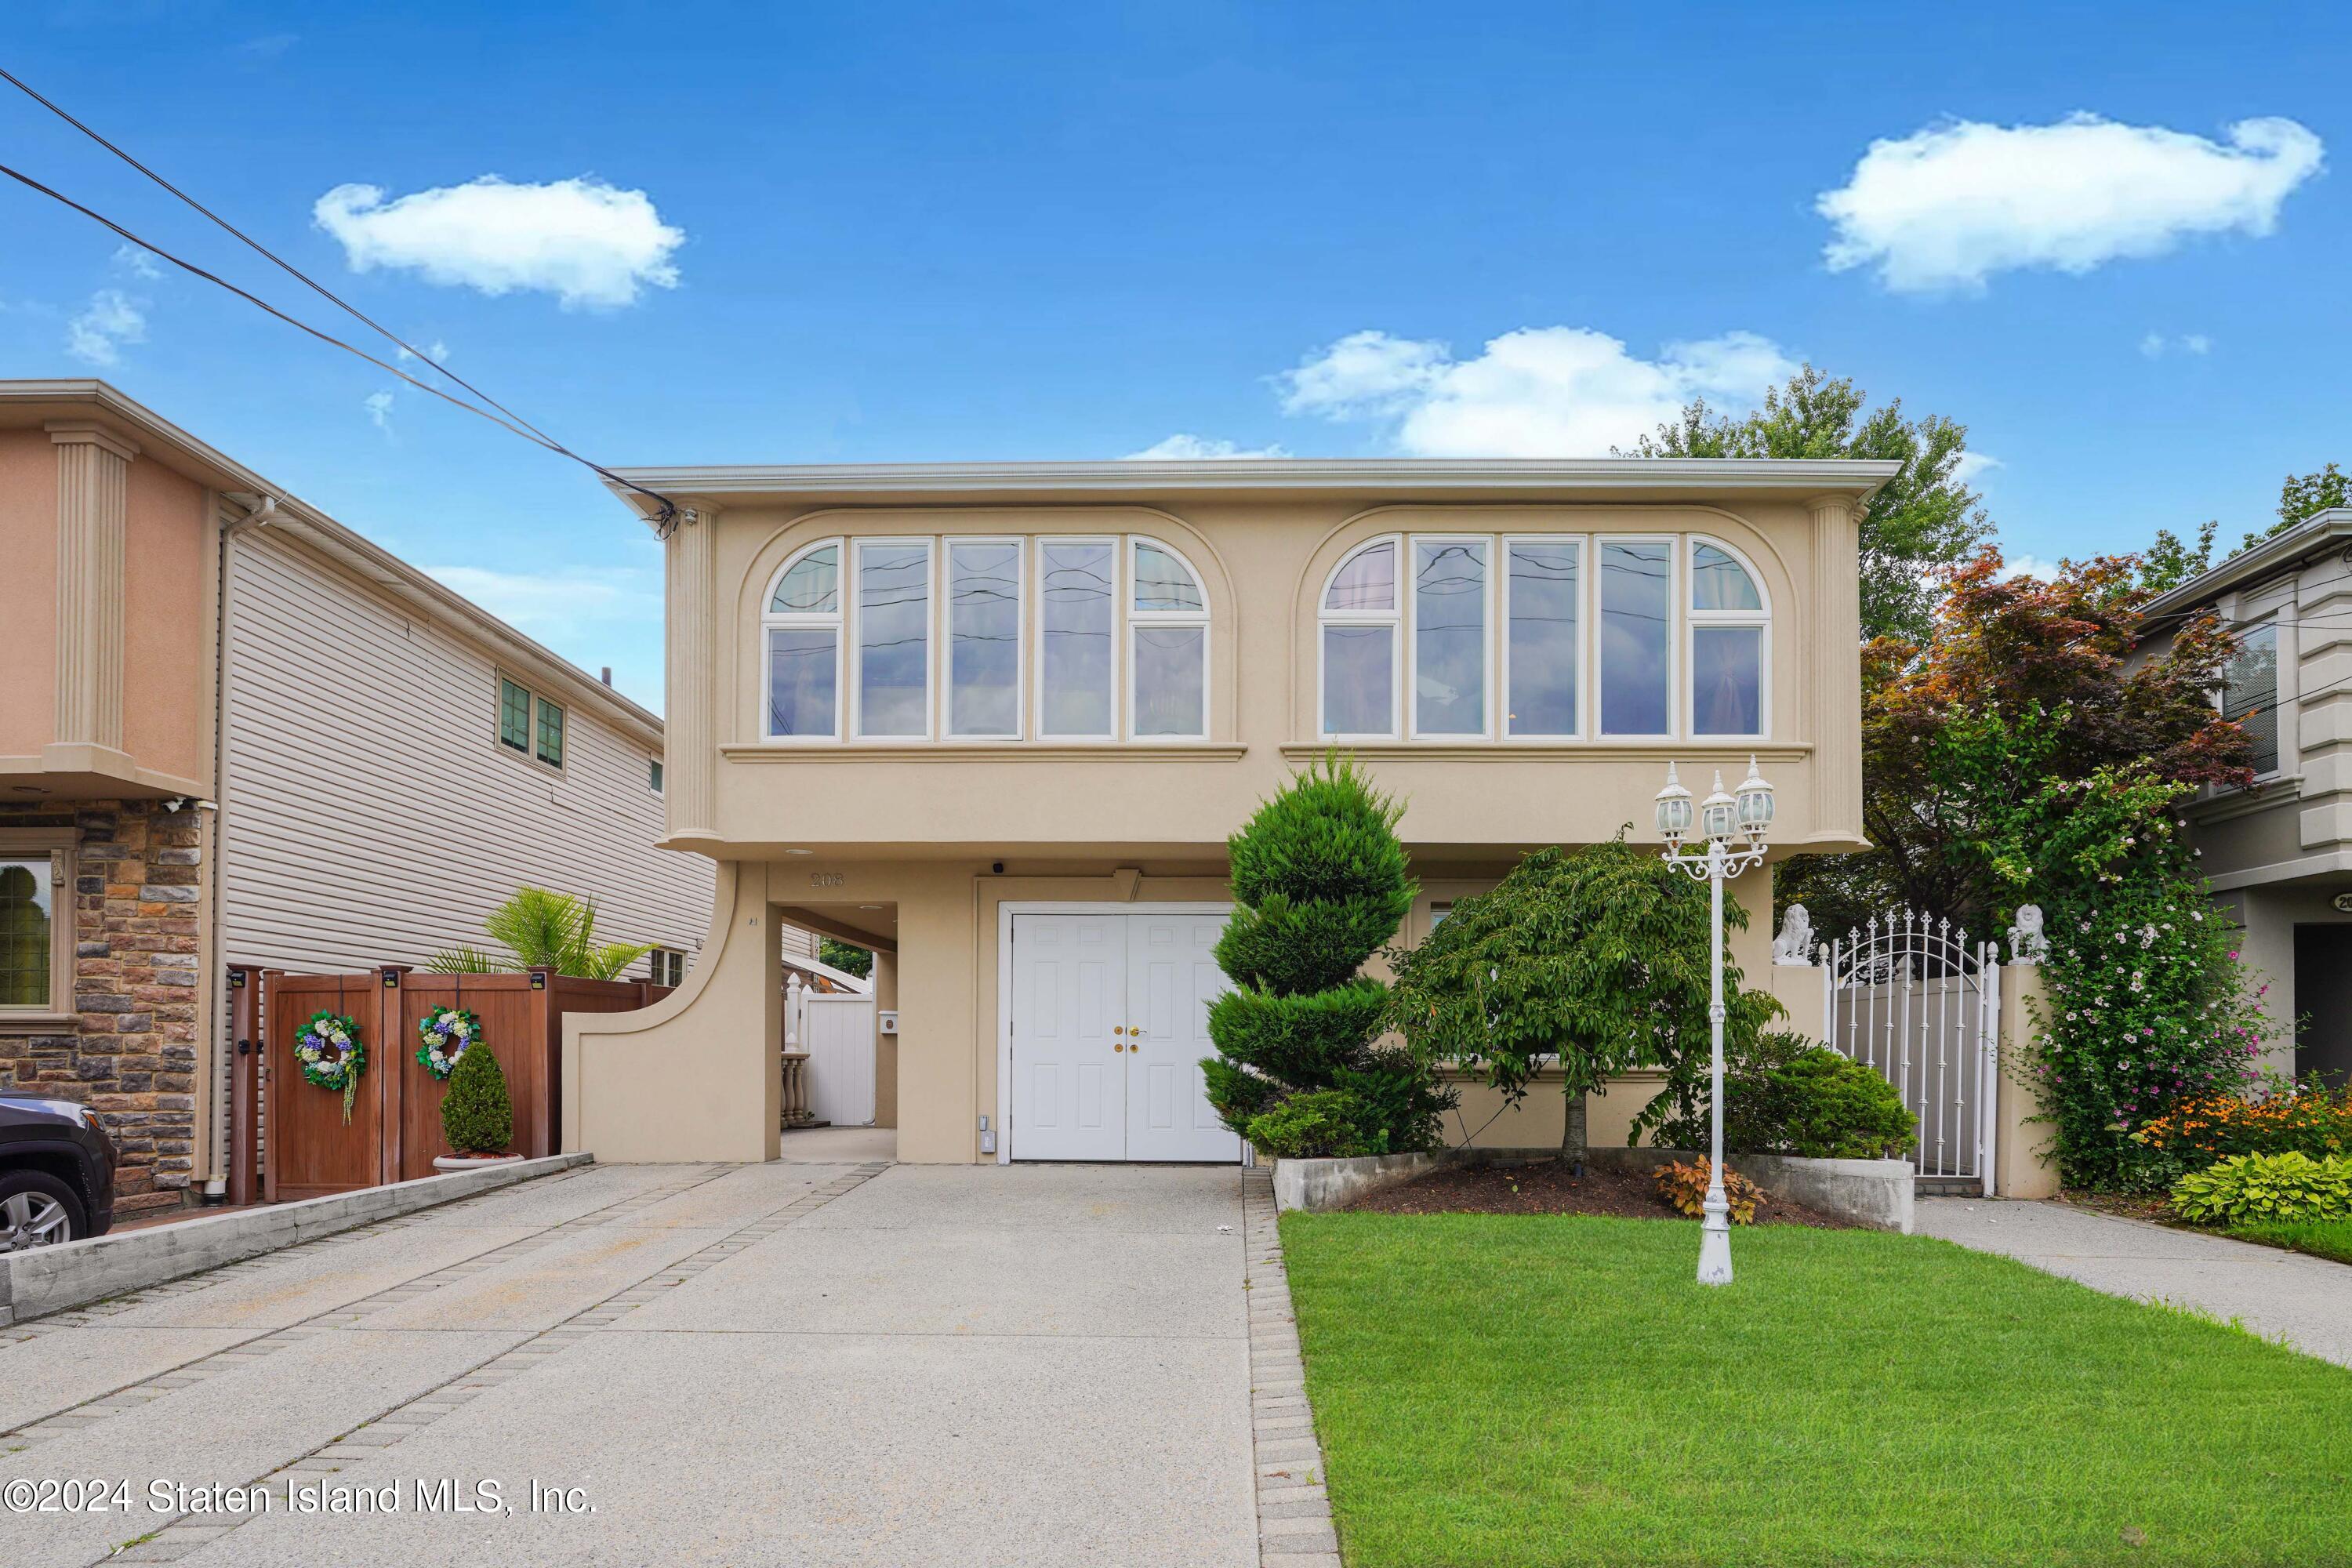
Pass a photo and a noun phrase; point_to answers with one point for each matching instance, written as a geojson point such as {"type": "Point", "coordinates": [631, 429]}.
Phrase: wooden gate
{"type": "Point", "coordinates": [395, 1131]}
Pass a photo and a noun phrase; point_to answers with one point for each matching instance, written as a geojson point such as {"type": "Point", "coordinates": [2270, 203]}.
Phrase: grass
{"type": "Point", "coordinates": [1517, 1390]}
{"type": "Point", "coordinates": [2320, 1237]}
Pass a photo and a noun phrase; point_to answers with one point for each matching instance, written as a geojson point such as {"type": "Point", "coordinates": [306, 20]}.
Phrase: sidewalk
{"type": "Point", "coordinates": [2308, 1300]}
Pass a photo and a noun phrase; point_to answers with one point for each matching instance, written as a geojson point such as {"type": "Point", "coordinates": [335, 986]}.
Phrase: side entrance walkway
{"type": "Point", "coordinates": [2308, 1301]}
{"type": "Point", "coordinates": [790, 1363]}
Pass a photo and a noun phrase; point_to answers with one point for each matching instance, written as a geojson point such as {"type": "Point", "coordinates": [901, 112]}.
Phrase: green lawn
{"type": "Point", "coordinates": [1505, 1390]}
{"type": "Point", "coordinates": [2320, 1237]}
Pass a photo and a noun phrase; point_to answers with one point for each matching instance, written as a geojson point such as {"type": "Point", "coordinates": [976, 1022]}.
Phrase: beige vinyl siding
{"type": "Point", "coordinates": [370, 815]}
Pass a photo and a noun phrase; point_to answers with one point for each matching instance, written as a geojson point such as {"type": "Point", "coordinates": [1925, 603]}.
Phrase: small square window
{"type": "Point", "coordinates": [514, 715]}
{"type": "Point", "coordinates": [668, 967]}
{"type": "Point", "coordinates": [655, 775]}
{"type": "Point", "coordinates": [550, 734]}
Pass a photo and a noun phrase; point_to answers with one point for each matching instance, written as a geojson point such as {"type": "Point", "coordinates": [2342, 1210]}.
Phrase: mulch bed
{"type": "Point", "coordinates": [1550, 1189]}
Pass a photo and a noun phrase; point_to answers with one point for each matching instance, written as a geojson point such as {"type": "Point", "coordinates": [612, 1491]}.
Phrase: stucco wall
{"type": "Point", "coordinates": [29, 591]}
{"type": "Point", "coordinates": [167, 621]}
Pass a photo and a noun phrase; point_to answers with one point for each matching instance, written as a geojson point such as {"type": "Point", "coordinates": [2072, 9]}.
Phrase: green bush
{"type": "Point", "coordinates": [846, 957]}
{"type": "Point", "coordinates": [1321, 1124]}
{"type": "Point", "coordinates": [476, 1117]}
{"type": "Point", "coordinates": [1790, 1097]}
{"type": "Point", "coordinates": [2264, 1187]}
{"type": "Point", "coordinates": [1319, 883]}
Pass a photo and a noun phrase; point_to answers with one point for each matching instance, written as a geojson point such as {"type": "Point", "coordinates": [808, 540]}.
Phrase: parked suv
{"type": "Point", "coordinates": [56, 1172]}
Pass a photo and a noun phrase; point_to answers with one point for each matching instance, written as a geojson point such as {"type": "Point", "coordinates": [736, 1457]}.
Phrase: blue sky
{"type": "Point", "coordinates": [827, 233]}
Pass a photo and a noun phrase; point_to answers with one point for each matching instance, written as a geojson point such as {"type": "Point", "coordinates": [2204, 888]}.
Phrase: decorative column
{"type": "Point", "coordinates": [1833, 706]}
{"type": "Point", "coordinates": [93, 488]}
{"type": "Point", "coordinates": [691, 742]}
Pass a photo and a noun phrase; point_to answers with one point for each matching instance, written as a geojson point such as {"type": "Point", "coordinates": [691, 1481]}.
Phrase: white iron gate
{"type": "Point", "coordinates": [1916, 999]}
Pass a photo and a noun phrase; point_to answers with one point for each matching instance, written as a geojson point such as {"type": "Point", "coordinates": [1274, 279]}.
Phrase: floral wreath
{"type": "Point", "coordinates": [447, 1033]}
{"type": "Point", "coordinates": [331, 1056]}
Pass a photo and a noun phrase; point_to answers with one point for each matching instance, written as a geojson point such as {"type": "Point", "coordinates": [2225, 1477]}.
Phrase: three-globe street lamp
{"type": "Point", "coordinates": [1721, 818]}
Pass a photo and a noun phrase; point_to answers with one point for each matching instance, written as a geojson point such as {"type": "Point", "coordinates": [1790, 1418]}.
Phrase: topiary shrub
{"type": "Point", "coordinates": [1319, 883]}
{"type": "Point", "coordinates": [1787, 1096]}
{"type": "Point", "coordinates": [476, 1117]}
{"type": "Point", "coordinates": [2256, 1187]}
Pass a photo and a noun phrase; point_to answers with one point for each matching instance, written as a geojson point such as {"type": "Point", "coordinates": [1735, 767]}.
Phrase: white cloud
{"type": "Point", "coordinates": [584, 241]}
{"type": "Point", "coordinates": [137, 261]}
{"type": "Point", "coordinates": [2031, 566]}
{"type": "Point", "coordinates": [111, 319]}
{"type": "Point", "coordinates": [1973, 466]}
{"type": "Point", "coordinates": [562, 605]}
{"type": "Point", "coordinates": [1184, 447]}
{"type": "Point", "coordinates": [1951, 205]}
{"type": "Point", "coordinates": [1540, 392]}
{"type": "Point", "coordinates": [436, 351]}
{"type": "Point", "coordinates": [379, 410]}
{"type": "Point", "coordinates": [2156, 345]}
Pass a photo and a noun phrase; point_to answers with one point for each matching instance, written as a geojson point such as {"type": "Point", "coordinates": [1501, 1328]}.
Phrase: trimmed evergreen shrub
{"type": "Point", "coordinates": [1790, 1097]}
{"type": "Point", "coordinates": [476, 1117]}
{"type": "Point", "coordinates": [1320, 883]}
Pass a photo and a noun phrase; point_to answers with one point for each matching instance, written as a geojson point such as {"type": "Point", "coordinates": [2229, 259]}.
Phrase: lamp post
{"type": "Point", "coordinates": [1721, 818]}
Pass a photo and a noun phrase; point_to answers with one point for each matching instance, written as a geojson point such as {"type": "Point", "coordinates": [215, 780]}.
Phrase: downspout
{"type": "Point", "coordinates": [218, 1112]}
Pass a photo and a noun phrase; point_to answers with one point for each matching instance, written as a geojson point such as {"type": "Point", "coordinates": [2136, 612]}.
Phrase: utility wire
{"type": "Point", "coordinates": [505, 417]}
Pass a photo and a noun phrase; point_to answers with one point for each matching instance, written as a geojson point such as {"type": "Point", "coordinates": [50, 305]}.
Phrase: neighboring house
{"type": "Point", "coordinates": [995, 721]}
{"type": "Point", "coordinates": [2279, 855]}
{"type": "Point", "coordinates": [234, 731]}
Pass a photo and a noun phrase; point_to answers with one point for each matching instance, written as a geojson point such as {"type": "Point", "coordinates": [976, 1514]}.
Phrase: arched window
{"type": "Point", "coordinates": [1361, 620]}
{"type": "Point", "coordinates": [802, 627]}
{"type": "Point", "coordinates": [1167, 645]}
{"type": "Point", "coordinates": [1730, 645]}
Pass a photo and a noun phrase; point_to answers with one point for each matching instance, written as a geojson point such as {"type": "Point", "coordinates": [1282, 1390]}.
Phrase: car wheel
{"type": "Point", "coordinates": [37, 1210]}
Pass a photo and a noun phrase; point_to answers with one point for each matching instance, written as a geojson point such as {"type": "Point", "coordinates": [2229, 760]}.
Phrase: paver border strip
{"type": "Point", "coordinates": [1293, 1504]}
{"type": "Point", "coordinates": [187, 1533]}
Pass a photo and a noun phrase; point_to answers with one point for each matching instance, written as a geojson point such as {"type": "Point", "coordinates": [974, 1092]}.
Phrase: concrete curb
{"type": "Point", "coordinates": [52, 1278]}
{"type": "Point", "coordinates": [1317, 1185]}
{"type": "Point", "coordinates": [1293, 1503]}
{"type": "Point", "coordinates": [1878, 1193]}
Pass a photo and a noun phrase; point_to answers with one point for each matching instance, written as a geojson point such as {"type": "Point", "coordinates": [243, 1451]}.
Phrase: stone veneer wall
{"type": "Point", "coordinates": [138, 894]}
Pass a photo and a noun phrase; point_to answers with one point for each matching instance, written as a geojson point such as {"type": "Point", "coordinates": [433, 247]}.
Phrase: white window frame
{"type": "Point", "coordinates": [1131, 619]}
{"type": "Point", "coordinates": [854, 606]}
{"type": "Point", "coordinates": [1408, 587]}
{"type": "Point", "coordinates": [1678, 662]}
{"type": "Point", "coordinates": [837, 620]}
{"type": "Point", "coordinates": [1693, 619]}
{"type": "Point", "coordinates": [949, 544]}
{"type": "Point", "coordinates": [1393, 617]}
{"type": "Point", "coordinates": [1586, 646]}
{"type": "Point", "coordinates": [58, 846]}
{"type": "Point", "coordinates": [1037, 640]}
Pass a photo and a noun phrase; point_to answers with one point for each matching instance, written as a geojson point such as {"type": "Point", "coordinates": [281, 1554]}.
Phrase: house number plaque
{"type": "Point", "coordinates": [828, 879]}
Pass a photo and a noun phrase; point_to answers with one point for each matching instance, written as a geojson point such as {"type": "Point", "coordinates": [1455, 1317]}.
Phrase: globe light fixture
{"type": "Point", "coordinates": [1721, 818]}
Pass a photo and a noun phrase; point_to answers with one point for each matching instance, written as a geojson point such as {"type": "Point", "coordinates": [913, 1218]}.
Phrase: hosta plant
{"type": "Point", "coordinates": [1684, 1186]}
{"type": "Point", "coordinates": [2258, 1187]}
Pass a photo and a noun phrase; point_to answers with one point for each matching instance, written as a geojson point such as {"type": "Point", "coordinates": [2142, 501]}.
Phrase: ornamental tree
{"type": "Point", "coordinates": [1320, 881]}
{"type": "Point", "coordinates": [476, 1117]}
{"type": "Point", "coordinates": [1594, 959]}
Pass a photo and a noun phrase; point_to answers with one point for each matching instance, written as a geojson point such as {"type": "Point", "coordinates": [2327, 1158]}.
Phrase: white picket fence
{"type": "Point", "coordinates": [836, 1030]}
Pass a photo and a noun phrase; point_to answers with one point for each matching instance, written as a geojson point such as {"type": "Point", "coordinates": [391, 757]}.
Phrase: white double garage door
{"type": "Point", "coordinates": [1105, 1022]}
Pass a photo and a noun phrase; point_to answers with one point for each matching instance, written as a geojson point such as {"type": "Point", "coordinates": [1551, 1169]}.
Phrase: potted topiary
{"type": "Point", "coordinates": [476, 1117]}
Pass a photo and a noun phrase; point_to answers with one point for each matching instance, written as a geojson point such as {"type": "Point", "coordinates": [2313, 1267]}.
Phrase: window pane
{"type": "Point", "coordinates": [28, 906]}
{"type": "Point", "coordinates": [2250, 693]}
{"type": "Point", "coordinates": [514, 715]}
{"type": "Point", "coordinates": [1358, 684]}
{"type": "Point", "coordinates": [1633, 626]}
{"type": "Point", "coordinates": [653, 777]}
{"type": "Point", "coordinates": [551, 732]}
{"type": "Point", "coordinates": [1449, 637]}
{"type": "Point", "coordinates": [1726, 680]}
{"type": "Point", "coordinates": [894, 629]}
{"type": "Point", "coordinates": [1169, 665]}
{"type": "Point", "coordinates": [1367, 581]}
{"type": "Point", "coordinates": [812, 588]}
{"type": "Point", "coordinates": [1720, 582]}
{"type": "Point", "coordinates": [1162, 581]}
{"type": "Point", "coordinates": [801, 666]}
{"type": "Point", "coordinates": [1542, 584]}
{"type": "Point", "coordinates": [985, 639]}
{"type": "Point", "coordinates": [1075, 581]}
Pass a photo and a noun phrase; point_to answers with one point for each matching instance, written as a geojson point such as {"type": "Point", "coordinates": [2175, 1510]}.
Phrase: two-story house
{"type": "Point", "coordinates": [2279, 855]}
{"type": "Point", "coordinates": [996, 721]}
{"type": "Point", "coordinates": [233, 730]}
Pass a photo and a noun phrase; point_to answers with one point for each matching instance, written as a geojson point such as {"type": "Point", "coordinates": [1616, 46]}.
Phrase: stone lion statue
{"type": "Point", "coordinates": [2027, 943]}
{"type": "Point", "coordinates": [1795, 942]}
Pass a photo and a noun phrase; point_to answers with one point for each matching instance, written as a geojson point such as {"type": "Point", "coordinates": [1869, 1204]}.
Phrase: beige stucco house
{"type": "Point", "coordinates": [234, 731]}
{"type": "Point", "coordinates": [997, 720]}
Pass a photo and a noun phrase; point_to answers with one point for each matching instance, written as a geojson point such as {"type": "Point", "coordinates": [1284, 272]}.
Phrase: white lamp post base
{"type": "Point", "coordinates": [1715, 1243]}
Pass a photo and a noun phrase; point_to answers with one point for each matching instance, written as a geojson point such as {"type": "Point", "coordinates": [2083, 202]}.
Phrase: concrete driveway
{"type": "Point", "coordinates": [786, 1364]}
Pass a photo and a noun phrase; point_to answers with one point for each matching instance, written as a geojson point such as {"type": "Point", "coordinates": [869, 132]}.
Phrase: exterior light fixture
{"type": "Point", "coordinates": [1673, 810]}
